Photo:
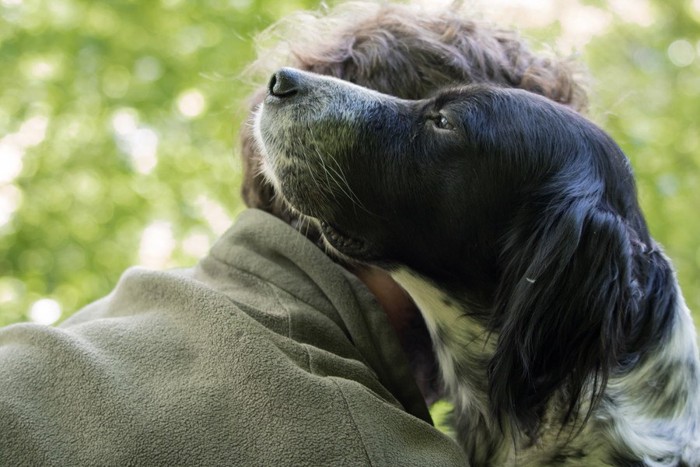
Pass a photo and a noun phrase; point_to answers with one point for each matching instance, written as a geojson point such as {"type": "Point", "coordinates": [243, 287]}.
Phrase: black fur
{"type": "Point", "coordinates": [521, 211]}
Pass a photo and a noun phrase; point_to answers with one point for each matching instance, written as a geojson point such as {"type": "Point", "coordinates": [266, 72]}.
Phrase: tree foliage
{"type": "Point", "coordinates": [118, 125]}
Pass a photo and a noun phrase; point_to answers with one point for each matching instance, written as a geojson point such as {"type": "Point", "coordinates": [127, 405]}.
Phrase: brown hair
{"type": "Point", "coordinates": [405, 51]}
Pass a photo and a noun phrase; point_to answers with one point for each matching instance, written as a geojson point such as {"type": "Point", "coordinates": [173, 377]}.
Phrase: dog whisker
{"type": "Point", "coordinates": [335, 177]}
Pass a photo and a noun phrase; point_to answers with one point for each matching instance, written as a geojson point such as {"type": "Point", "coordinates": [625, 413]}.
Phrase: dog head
{"type": "Point", "coordinates": [519, 205]}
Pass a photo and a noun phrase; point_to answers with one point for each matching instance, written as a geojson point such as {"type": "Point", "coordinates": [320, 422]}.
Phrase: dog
{"type": "Point", "coordinates": [513, 222]}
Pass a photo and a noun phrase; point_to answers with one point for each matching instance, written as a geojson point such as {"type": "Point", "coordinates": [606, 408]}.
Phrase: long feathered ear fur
{"type": "Point", "coordinates": [565, 302]}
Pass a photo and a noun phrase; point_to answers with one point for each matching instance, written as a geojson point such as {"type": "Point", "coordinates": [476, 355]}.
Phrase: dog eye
{"type": "Point", "coordinates": [441, 122]}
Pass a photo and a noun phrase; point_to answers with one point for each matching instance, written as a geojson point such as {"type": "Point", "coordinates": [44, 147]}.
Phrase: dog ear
{"type": "Point", "coordinates": [562, 309]}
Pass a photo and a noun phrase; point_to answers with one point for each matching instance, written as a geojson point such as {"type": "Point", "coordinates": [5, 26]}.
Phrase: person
{"type": "Point", "coordinates": [267, 352]}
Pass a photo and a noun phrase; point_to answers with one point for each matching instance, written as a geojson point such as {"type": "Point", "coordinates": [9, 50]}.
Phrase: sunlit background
{"type": "Point", "coordinates": [118, 125]}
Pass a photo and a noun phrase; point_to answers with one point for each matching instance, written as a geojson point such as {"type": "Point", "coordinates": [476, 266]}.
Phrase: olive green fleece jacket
{"type": "Point", "coordinates": [265, 354]}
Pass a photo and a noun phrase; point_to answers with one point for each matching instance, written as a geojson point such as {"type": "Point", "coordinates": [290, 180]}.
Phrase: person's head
{"type": "Point", "coordinates": [405, 51]}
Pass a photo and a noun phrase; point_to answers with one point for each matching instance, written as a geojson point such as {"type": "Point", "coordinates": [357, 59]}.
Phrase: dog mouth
{"type": "Point", "coordinates": [348, 246]}
{"type": "Point", "coordinates": [345, 246]}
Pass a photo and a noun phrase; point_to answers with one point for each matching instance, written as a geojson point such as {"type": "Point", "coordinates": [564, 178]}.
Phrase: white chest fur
{"type": "Point", "coordinates": [629, 421]}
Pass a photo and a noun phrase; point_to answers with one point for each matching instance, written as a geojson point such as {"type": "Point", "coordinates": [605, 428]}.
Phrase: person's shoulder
{"type": "Point", "coordinates": [391, 436]}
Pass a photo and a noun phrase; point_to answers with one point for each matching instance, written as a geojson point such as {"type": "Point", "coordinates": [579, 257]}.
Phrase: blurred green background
{"type": "Point", "coordinates": [118, 125]}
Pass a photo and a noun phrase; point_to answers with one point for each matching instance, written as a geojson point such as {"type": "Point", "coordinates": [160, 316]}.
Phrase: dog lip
{"type": "Point", "coordinates": [335, 232]}
{"type": "Point", "coordinates": [345, 243]}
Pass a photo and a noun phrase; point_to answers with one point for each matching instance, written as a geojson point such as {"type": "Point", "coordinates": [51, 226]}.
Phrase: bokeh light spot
{"type": "Point", "coordinates": [125, 121]}
{"type": "Point", "coordinates": [633, 11]}
{"type": "Point", "coordinates": [667, 184]}
{"type": "Point", "coordinates": [190, 39]}
{"type": "Point", "coordinates": [140, 143]}
{"type": "Point", "coordinates": [11, 289]}
{"type": "Point", "coordinates": [41, 70]}
{"type": "Point", "coordinates": [45, 311]}
{"type": "Point", "coordinates": [148, 69]}
{"type": "Point", "coordinates": [143, 149]}
{"type": "Point", "coordinates": [191, 103]}
{"type": "Point", "coordinates": [157, 245]}
{"type": "Point", "coordinates": [10, 199]}
{"type": "Point", "coordinates": [196, 244]}
{"type": "Point", "coordinates": [115, 81]}
{"type": "Point", "coordinates": [171, 3]}
{"type": "Point", "coordinates": [241, 5]}
{"type": "Point", "coordinates": [681, 53]}
{"type": "Point", "coordinates": [214, 213]}
{"type": "Point", "coordinates": [580, 24]}
{"type": "Point", "coordinates": [10, 161]}
{"type": "Point", "coordinates": [33, 131]}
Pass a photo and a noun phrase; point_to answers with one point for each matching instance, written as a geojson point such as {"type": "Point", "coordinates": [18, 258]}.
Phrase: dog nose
{"type": "Point", "coordinates": [285, 83]}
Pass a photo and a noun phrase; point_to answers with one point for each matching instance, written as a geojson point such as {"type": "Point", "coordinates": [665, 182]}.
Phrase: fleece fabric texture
{"type": "Point", "coordinates": [264, 354]}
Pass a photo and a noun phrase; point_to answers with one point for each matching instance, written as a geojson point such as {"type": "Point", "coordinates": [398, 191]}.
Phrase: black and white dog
{"type": "Point", "coordinates": [513, 222]}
